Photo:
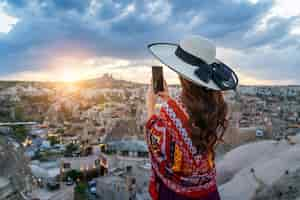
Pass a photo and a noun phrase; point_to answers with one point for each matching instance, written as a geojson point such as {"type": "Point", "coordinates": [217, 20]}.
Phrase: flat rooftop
{"type": "Point", "coordinates": [3, 182]}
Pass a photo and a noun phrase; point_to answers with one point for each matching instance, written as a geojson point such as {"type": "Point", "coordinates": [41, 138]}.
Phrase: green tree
{"type": "Point", "coordinates": [60, 130]}
{"type": "Point", "coordinates": [19, 113]}
{"type": "Point", "coordinates": [74, 174]}
{"type": "Point", "coordinates": [53, 140]}
{"type": "Point", "coordinates": [80, 191]}
{"type": "Point", "coordinates": [20, 132]}
{"type": "Point", "coordinates": [70, 148]}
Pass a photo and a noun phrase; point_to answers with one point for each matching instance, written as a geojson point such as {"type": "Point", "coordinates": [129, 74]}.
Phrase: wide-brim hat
{"type": "Point", "coordinates": [194, 58]}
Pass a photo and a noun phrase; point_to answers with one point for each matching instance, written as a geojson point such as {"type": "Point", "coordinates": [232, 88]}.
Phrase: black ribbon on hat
{"type": "Point", "coordinates": [224, 77]}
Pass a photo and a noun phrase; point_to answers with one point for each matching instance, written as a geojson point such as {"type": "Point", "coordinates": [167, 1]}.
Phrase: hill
{"type": "Point", "coordinates": [106, 81]}
{"type": "Point", "coordinates": [261, 170]}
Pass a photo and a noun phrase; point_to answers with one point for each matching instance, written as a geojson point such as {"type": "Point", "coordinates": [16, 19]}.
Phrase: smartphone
{"type": "Point", "coordinates": [157, 79]}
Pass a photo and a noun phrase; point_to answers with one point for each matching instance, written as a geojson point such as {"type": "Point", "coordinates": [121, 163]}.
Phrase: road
{"type": "Point", "coordinates": [17, 123]}
{"type": "Point", "coordinates": [65, 193]}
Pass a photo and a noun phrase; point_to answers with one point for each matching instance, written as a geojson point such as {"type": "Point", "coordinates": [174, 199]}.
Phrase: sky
{"type": "Point", "coordinates": [67, 40]}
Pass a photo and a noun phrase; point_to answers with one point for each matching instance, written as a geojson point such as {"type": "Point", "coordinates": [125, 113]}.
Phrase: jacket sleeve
{"type": "Point", "coordinates": [161, 143]}
{"type": "Point", "coordinates": [155, 132]}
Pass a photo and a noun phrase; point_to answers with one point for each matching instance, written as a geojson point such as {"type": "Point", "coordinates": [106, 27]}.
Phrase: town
{"type": "Point", "coordinates": [85, 140]}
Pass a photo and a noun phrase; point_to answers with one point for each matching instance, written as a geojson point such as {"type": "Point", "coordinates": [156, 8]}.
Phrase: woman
{"type": "Point", "coordinates": [183, 136]}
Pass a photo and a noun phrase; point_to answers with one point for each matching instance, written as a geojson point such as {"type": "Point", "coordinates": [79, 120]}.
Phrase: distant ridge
{"type": "Point", "coordinates": [105, 81]}
{"type": "Point", "coordinates": [294, 85]}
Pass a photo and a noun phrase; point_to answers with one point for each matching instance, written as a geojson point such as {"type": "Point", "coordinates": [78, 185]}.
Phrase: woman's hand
{"type": "Point", "coordinates": [152, 97]}
{"type": "Point", "coordinates": [164, 95]}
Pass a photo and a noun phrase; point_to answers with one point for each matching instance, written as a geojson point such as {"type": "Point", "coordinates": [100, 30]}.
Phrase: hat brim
{"type": "Point", "coordinates": [165, 53]}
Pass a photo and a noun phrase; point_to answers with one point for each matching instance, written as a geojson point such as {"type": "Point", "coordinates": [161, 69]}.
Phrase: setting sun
{"type": "Point", "coordinates": [71, 69]}
{"type": "Point", "coordinates": [70, 76]}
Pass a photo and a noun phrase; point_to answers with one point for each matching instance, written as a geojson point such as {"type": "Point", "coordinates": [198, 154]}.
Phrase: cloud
{"type": "Point", "coordinates": [281, 67]}
{"type": "Point", "coordinates": [120, 29]}
{"type": "Point", "coordinates": [7, 22]}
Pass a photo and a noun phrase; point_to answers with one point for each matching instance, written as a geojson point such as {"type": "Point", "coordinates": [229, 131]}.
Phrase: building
{"type": "Point", "coordinates": [128, 179]}
{"type": "Point", "coordinates": [112, 187]}
{"type": "Point", "coordinates": [91, 165]}
{"type": "Point", "coordinates": [7, 191]}
{"type": "Point", "coordinates": [45, 170]}
{"type": "Point", "coordinates": [5, 130]}
{"type": "Point", "coordinates": [132, 148]}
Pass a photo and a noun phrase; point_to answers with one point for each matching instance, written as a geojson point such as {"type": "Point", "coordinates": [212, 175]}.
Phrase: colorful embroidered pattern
{"type": "Point", "coordinates": [173, 156]}
{"type": "Point", "coordinates": [177, 159]}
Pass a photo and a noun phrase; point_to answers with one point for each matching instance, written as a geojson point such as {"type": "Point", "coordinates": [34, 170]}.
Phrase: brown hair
{"type": "Point", "coordinates": [207, 110]}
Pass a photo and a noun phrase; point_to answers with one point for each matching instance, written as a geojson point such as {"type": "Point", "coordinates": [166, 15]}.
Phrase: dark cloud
{"type": "Point", "coordinates": [276, 33]}
{"type": "Point", "coordinates": [279, 64]}
{"type": "Point", "coordinates": [122, 28]}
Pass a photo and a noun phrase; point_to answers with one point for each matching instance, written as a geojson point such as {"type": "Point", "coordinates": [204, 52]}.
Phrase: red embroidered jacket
{"type": "Point", "coordinates": [174, 159]}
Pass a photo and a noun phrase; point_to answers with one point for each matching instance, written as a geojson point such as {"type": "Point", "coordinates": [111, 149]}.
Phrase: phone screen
{"type": "Point", "coordinates": [157, 78]}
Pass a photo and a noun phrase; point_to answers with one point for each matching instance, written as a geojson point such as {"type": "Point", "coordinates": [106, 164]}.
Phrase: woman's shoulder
{"type": "Point", "coordinates": [174, 108]}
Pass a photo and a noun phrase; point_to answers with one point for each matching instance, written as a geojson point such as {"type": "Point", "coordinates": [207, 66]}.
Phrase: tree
{"type": "Point", "coordinates": [53, 140]}
{"type": "Point", "coordinates": [80, 191]}
{"type": "Point", "coordinates": [74, 174]}
{"type": "Point", "coordinates": [81, 187]}
{"type": "Point", "coordinates": [20, 132]}
{"type": "Point", "coordinates": [18, 113]}
{"type": "Point", "coordinates": [70, 148]}
{"type": "Point", "coordinates": [60, 130]}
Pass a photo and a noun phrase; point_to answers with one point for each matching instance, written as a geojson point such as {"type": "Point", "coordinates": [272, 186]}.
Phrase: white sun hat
{"type": "Point", "coordinates": [194, 58]}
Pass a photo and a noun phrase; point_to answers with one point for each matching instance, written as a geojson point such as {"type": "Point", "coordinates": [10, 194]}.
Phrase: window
{"type": "Point", "coordinates": [259, 133]}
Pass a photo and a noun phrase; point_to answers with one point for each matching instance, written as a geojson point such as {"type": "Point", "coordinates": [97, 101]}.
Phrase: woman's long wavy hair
{"type": "Point", "coordinates": [207, 110]}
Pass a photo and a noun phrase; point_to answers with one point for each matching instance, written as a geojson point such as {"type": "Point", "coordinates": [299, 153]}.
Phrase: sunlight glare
{"type": "Point", "coordinates": [70, 76]}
